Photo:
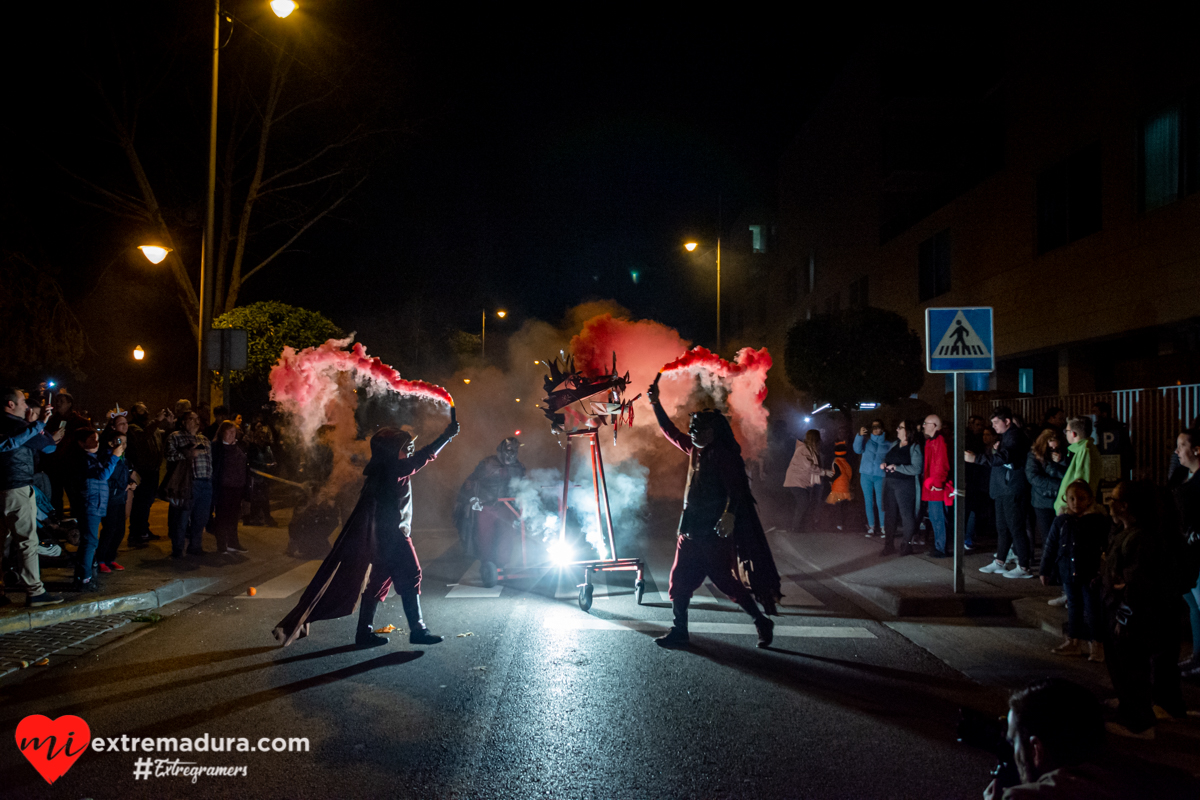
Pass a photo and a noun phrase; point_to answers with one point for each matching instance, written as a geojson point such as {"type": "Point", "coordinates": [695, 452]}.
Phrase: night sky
{"type": "Point", "coordinates": [526, 162]}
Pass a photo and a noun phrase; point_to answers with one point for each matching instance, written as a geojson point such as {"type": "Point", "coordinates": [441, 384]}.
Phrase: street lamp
{"type": "Point", "coordinates": [154, 253]}
{"type": "Point", "coordinates": [483, 330]}
{"type": "Point", "coordinates": [138, 353]}
{"type": "Point", "coordinates": [691, 247]}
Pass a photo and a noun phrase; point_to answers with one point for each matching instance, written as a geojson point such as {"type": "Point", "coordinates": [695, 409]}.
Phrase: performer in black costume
{"type": "Point", "coordinates": [485, 525]}
{"type": "Point", "coordinates": [720, 535]}
{"type": "Point", "coordinates": [374, 549]}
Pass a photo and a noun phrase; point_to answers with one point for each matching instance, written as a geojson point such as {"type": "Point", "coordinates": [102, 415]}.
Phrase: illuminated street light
{"type": "Point", "coordinates": [466, 380]}
{"type": "Point", "coordinates": [154, 253]}
{"type": "Point", "coordinates": [690, 247]}
{"type": "Point", "coordinates": [483, 330]}
{"type": "Point", "coordinates": [138, 353]}
{"type": "Point", "coordinates": [282, 7]}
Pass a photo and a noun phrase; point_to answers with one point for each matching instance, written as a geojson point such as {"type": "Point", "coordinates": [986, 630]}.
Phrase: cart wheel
{"type": "Point", "coordinates": [585, 596]}
{"type": "Point", "coordinates": [639, 590]}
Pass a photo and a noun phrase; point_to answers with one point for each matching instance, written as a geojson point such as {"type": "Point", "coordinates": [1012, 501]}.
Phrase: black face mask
{"type": "Point", "coordinates": [509, 451]}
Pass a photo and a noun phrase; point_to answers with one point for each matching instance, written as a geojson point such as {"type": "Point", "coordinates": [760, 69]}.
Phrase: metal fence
{"type": "Point", "coordinates": [1154, 418]}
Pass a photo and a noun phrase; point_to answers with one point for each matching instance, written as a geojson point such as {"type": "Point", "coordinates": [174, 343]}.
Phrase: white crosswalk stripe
{"type": "Point", "coordinates": [582, 622]}
{"type": "Point", "coordinates": [287, 584]}
{"type": "Point", "coordinates": [469, 587]}
{"type": "Point", "coordinates": [795, 595]}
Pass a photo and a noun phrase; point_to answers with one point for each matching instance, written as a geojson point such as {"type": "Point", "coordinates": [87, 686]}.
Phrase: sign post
{"type": "Point", "coordinates": [227, 350]}
{"type": "Point", "coordinates": [958, 341]}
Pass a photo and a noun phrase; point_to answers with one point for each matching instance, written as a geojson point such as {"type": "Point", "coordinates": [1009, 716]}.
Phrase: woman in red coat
{"type": "Point", "coordinates": [934, 482]}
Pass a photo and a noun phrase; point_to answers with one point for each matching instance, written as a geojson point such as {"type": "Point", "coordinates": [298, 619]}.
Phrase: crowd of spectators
{"type": "Point", "coordinates": [70, 482]}
{"type": "Point", "coordinates": [1125, 553]}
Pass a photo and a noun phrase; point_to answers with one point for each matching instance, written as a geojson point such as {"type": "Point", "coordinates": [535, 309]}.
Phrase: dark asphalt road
{"type": "Point", "coordinates": [541, 701]}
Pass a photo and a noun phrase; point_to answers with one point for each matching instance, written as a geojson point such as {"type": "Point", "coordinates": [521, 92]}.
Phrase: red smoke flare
{"type": "Point", "coordinates": [744, 381]}
{"type": "Point", "coordinates": [308, 379]}
{"type": "Point", "coordinates": [747, 360]}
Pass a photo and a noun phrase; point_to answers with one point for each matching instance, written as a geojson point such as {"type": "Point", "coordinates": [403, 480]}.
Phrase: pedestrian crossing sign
{"type": "Point", "coordinates": [959, 340]}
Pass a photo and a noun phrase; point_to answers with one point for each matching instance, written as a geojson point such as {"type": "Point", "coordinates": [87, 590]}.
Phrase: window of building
{"type": "Point", "coordinates": [1068, 199]}
{"type": "Point", "coordinates": [758, 238]}
{"type": "Point", "coordinates": [933, 266]}
{"type": "Point", "coordinates": [1025, 381]}
{"type": "Point", "coordinates": [858, 293]}
{"type": "Point", "coordinates": [1169, 153]}
{"type": "Point", "coordinates": [978, 381]}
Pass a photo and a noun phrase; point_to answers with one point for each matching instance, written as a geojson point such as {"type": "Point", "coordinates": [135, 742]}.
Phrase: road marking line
{"type": "Point", "coordinates": [470, 588]}
{"type": "Point", "coordinates": [796, 595]}
{"type": "Point", "coordinates": [576, 622]}
{"type": "Point", "coordinates": [287, 584]}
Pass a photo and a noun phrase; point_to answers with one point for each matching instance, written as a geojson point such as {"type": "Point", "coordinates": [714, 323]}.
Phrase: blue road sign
{"type": "Point", "coordinates": [959, 340]}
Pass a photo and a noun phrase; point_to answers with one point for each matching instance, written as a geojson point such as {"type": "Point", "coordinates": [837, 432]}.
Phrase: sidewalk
{"type": "Point", "coordinates": [916, 585]}
{"type": "Point", "coordinates": [151, 578]}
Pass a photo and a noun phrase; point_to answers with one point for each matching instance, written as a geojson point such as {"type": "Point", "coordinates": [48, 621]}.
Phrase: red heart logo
{"type": "Point", "coordinates": [53, 745]}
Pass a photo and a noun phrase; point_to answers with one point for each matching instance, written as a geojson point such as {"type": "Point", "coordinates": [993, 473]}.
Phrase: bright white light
{"type": "Point", "coordinates": [560, 552]}
{"type": "Point", "coordinates": [822, 408]}
{"type": "Point", "coordinates": [808, 419]}
{"type": "Point", "coordinates": [690, 246]}
{"type": "Point", "coordinates": [153, 253]}
{"type": "Point", "coordinates": [283, 7]}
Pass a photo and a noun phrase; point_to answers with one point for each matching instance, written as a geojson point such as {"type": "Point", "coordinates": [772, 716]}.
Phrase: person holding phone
{"type": "Point", "coordinates": [92, 467]}
{"type": "Point", "coordinates": [187, 449]}
{"type": "Point", "coordinates": [22, 433]}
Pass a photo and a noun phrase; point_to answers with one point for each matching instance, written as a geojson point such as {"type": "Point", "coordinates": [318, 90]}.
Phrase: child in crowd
{"type": "Point", "coordinates": [840, 492]}
{"type": "Point", "coordinates": [1071, 557]}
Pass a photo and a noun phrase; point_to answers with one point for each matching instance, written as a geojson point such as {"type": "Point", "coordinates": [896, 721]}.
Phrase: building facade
{"type": "Point", "coordinates": [1053, 178]}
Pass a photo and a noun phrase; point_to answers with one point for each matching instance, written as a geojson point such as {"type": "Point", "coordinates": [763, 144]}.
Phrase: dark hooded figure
{"type": "Point", "coordinates": [720, 536]}
{"type": "Point", "coordinates": [374, 551]}
{"type": "Point", "coordinates": [485, 525]}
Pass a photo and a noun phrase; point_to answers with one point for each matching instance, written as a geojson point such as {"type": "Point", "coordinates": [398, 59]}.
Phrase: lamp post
{"type": "Point", "coordinates": [138, 355]}
{"type": "Point", "coordinates": [483, 330]}
{"type": "Point", "coordinates": [155, 254]}
{"type": "Point", "coordinates": [691, 247]}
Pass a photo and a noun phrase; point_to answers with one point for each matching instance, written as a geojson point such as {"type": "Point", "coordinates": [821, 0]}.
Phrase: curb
{"type": "Point", "coordinates": [899, 604]}
{"type": "Point", "coordinates": [120, 604]}
{"type": "Point", "coordinates": [1035, 612]}
{"type": "Point", "coordinates": [927, 603]}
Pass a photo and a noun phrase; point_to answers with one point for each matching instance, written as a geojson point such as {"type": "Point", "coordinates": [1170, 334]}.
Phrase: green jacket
{"type": "Point", "coordinates": [1084, 465]}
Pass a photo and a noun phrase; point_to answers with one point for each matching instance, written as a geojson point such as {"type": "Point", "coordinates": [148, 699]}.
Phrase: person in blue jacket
{"type": "Point", "coordinates": [93, 467]}
{"type": "Point", "coordinates": [872, 447]}
{"type": "Point", "coordinates": [120, 483]}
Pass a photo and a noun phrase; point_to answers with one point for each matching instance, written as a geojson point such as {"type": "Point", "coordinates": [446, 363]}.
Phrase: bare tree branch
{"type": "Point", "coordinates": [349, 138]}
{"type": "Point", "coordinates": [126, 204]}
{"type": "Point", "coordinates": [285, 188]}
{"type": "Point", "coordinates": [305, 227]}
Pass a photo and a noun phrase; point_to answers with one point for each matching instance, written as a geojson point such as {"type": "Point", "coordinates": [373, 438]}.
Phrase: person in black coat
{"type": "Point", "coordinates": [1141, 574]}
{"type": "Point", "coordinates": [1045, 467]}
{"type": "Point", "coordinates": [231, 477]}
{"type": "Point", "coordinates": [1009, 489]}
{"type": "Point", "coordinates": [719, 535]}
{"type": "Point", "coordinates": [375, 547]}
{"type": "Point", "coordinates": [1074, 549]}
{"type": "Point", "coordinates": [1185, 491]}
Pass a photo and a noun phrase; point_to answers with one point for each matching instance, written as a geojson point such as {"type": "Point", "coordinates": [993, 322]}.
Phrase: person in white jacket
{"type": "Point", "coordinates": [803, 478]}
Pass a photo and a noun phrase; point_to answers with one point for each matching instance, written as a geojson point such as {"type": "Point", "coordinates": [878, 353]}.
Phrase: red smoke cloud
{"type": "Point", "coordinates": [742, 384]}
{"type": "Point", "coordinates": [642, 347]}
{"type": "Point", "coordinates": [307, 381]}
